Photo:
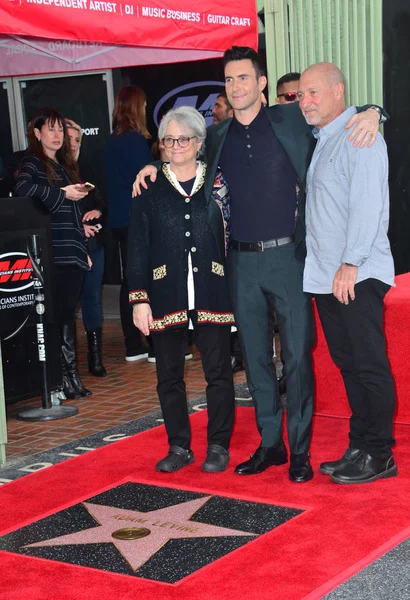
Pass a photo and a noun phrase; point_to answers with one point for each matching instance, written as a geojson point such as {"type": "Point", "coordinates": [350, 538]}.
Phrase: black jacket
{"type": "Point", "coordinates": [158, 249]}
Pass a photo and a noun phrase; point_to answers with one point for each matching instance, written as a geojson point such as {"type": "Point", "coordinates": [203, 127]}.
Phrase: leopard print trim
{"type": "Point", "coordinates": [168, 320]}
{"type": "Point", "coordinates": [200, 182]}
{"type": "Point", "coordinates": [206, 316]}
{"type": "Point", "coordinates": [218, 269]}
{"type": "Point", "coordinates": [159, 272]}
{"type": "Point", "coordinates": [138, 296]}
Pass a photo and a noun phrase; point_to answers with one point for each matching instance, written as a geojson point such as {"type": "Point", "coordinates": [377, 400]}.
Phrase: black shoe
{"type": "Point", "coordinates": [237, 365]}
{"type": "Point", "coordinates": [366, 469]}
{"type": "Point", "coordinates": [263, 459]}
{"type": "Point", "coordinates": [176, 459]}
{"type": "Point", "coordinates": [70, 392]}
{"type": "Point", "coordinates": [71, 379]}
{"type": "Point", "coordinates": [95, 366]}
{"type": "Point", "coordinates": [300, 469]}
{"type": "Point", "coordinates": [78, 386]}
{"type": "Point", "coordinates": [217, 459]}
{"type": "Point", "coordinates": [348, 457]}
{"type": "Point", "coordinates": [282, 384]}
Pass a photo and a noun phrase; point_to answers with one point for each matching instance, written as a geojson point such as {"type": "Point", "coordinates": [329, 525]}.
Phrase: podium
{"type": "Point", "coordinates": [19, 218]}
{"type": "Point", "coordinates": [22, 375]}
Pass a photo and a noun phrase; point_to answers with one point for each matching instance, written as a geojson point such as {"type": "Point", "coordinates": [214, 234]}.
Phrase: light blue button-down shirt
{"type": "Point", "coordinates": [347, 209]}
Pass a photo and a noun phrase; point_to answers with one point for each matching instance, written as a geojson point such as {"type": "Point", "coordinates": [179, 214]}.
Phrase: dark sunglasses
{"type": "Point", "coordinates": [289, 97]}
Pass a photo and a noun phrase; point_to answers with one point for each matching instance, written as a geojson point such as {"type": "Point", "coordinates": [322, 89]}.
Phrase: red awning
{"type": "Point", "coordinates": [179, 24]}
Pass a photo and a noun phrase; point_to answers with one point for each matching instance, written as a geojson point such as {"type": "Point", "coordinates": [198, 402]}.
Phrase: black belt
{"type": "Point", "coordinates": [261, 246]}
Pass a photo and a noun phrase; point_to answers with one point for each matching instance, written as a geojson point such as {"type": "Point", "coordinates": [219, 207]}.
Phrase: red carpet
{"type": "Point", "coordinates": [342, 529]}
{"type": "Point", "coordinates": [397, 327]}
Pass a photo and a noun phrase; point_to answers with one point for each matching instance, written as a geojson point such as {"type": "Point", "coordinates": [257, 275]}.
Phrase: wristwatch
{"type": "Point", "coordinates": [378, 109]}
{"type": "Point", "coordinates": [349, 265]}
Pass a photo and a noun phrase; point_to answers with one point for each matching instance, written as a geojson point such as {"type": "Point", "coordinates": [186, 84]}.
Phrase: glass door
{"type": "Point", "coordinates": [85, 98]}
{"type": "Point", "coordinates": [8, 133]}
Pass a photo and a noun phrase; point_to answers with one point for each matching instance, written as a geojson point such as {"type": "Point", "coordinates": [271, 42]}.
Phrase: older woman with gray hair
{"type": "Point", "coordinates": [177, 277]}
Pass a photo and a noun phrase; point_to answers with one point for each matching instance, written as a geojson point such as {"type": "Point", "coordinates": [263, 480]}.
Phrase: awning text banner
{"type": "Point", "coordinates": [208, 25]}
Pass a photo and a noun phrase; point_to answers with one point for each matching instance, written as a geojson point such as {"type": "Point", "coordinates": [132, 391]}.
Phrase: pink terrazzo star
{"type": "Point", "coordinates": [164, 524]}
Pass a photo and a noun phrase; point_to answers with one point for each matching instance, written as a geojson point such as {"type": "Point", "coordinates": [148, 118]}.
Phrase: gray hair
{"type": "Point", "coordinates": [190, 118]}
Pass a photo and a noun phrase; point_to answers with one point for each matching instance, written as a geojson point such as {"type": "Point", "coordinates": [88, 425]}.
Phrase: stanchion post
{"type": "Point", "coordinates": [3, 421]}
{"type": "Point", "coordinates": [48, 412]}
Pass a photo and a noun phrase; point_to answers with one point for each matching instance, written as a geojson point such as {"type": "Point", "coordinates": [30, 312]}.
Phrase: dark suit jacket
{"type": "Point", "coordinates": [296, 137]}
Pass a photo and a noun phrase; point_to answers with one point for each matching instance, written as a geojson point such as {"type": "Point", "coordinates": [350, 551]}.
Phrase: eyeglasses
{"type": "Point", "coordinates": [289, 96]}
{"type": "Point", "coordinates": [182, 141]}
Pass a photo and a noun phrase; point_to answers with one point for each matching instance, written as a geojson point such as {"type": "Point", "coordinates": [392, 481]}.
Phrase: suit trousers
{"type": "Point", "coordinates": [261, 283]}
{"type": "Point", "coordinates": [213, 343]}
{"type": "Point", "coordinates": [355, 336]}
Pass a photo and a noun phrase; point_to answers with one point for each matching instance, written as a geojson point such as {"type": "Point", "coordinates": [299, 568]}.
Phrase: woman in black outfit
{"type": "Point", "coordinates": [49, 172]}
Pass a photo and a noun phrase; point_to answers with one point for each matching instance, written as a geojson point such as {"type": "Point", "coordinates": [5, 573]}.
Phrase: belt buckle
{"type": "Point", "coordinates": [260, 246]}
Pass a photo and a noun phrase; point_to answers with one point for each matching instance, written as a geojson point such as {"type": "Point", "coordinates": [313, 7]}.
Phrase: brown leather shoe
{"type": "Point", "coordinates": [263, 459]}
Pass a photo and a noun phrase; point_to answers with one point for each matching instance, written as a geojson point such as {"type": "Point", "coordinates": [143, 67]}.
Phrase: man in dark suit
{"type": "Point", "coordinates": [264, 154]}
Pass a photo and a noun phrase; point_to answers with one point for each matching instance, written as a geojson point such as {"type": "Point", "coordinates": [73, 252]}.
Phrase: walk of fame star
{"type": "Point", "coordinates": [160, 526]}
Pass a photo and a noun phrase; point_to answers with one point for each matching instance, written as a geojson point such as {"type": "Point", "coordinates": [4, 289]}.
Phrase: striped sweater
{"type": "Point", "coordinates": [67, 231]}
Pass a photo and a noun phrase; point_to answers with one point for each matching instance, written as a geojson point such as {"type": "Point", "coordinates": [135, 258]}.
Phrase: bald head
{"type": "Point", "coordinates": [321, 93]}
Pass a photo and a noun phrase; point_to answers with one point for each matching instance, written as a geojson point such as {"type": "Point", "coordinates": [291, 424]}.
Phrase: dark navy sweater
{"type": "Point", "coordinates": [261, 180]}
{"type": "Point", "coordinates": [125, 155]}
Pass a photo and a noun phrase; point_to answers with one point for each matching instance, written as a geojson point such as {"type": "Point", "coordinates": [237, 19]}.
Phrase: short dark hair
{"type": "Point", "coordinates": [244, 53]}
{"type": "Point", "coordinates": [225, 97]}
{"type": "Point", "coordinates": [287, 79]}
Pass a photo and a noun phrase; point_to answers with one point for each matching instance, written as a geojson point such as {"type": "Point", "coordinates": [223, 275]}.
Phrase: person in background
{"type": "Point", "coordinates": [49, 172]}
{"type": "Point", "coordinates": [126, 152]}
{"type": "Point", "coordinates": [222, 109]}
{"type": "Point", "coordinates": [286, 88]}
{"type": "Point", "coordinates": [286, 93]}
{"type": "Point", "coordinates": [349, 269]}
{"type": "Point", "coordinates": [177, 274]}
{"type": "Point", "coordinates": [94, 211]}
{"type": "Point", "coordinates": [158, 151]}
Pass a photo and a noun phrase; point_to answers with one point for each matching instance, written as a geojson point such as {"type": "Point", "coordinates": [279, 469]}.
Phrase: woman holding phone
{"type": "Point", "coordinates": [49, 173]}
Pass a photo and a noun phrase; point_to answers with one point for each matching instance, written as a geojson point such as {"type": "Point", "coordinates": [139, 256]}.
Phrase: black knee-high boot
{"type": "Point", "coordinates": [72, 386]}
{"type": "Point", "coordinates": [95, 366]}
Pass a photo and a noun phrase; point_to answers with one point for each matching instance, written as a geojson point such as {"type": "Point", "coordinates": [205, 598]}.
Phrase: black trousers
{"type": "Point", "coordinates": [132, 336]}
{"type": "Point", "coordinates": [357, 344]}
{"type": "Point", "coordinates": [213, 343]}
{"type": "Point", "coordinates": [66, 289]}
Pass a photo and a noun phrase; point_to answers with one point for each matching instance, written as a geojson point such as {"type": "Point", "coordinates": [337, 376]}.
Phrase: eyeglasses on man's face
{"type": "Point", "coordinates": [182, 141]}
{"type": "Point", "coordinates": [289, 96]}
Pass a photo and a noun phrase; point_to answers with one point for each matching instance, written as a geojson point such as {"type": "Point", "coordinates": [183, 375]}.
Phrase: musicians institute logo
{"type": "Point", "coordinates": [15, 272]}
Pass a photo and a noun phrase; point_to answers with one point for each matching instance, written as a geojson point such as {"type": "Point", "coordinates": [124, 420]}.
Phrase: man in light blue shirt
{"type": "Point", "coordinates": [349, 268]}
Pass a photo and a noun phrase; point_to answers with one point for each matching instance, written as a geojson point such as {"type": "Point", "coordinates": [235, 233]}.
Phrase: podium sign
{"type": "Point", "coordinates": [19, 218]}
